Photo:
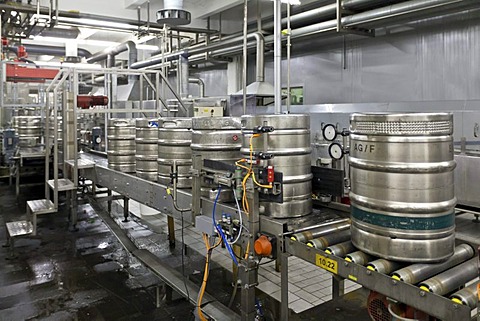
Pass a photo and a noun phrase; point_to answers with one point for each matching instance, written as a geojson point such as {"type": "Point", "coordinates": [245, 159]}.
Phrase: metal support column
{"type": "Point", "coordinates": [171, 231]}
{"type": "Point", "coordinates": [196, 184]}
{"type": "Point", "coordinates": [109, 202]}
{"type": "Point", "coordinates": [284, 286]}
{"type": "Point", "coordinates": [338, 286]}
{"type": "Point", "coordinates": [126, 209]}
{"type": "Point", "coordinates": [248, 269]}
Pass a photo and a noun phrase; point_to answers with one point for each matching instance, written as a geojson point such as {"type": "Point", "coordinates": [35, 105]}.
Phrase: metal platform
{"type": "Point", "coordinates": [42, 206]}
{"type": "Point", "coordinates": [19, 228]}
{"type": "Point", "coordinates": [64, 184]}
{"type": "Point", "coordinates": [81, 163]}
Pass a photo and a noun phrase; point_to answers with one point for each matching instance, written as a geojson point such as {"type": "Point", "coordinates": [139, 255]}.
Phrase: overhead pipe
{"type": "Point", "coordinates": [396, 10]}
{"type": "Point", "coordinates": [183, 73]}
{"type": "Point", "coordinates": [71, 33]}
{"type": "Point", "coordinates": [326, 12]}
{"type": "Point", "coordinates": [74, 19]}
{"type": "Point", "coordinates": [128, 45]}
{"type": "Point", "coordinates": [201, 85]}
{"type": "Point", "coordinates": [260, 55]}
{"type": "Point", "coordinates": [49, 50]}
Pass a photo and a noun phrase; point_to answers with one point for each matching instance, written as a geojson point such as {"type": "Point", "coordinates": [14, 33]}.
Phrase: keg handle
{"type": "Point", "coordinates": [170, 121]}
{"type": "Point", "coordinates": [121, 123]}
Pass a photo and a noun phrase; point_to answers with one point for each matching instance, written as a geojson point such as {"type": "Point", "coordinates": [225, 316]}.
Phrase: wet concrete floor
{"type": "Point", "coordinates": [82, 275]}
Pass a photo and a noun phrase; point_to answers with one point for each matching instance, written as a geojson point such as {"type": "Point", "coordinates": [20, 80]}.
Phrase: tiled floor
{"type": "Point", "coordinates": [308, 285]}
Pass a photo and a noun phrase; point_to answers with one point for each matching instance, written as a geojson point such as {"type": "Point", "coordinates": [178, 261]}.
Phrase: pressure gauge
{"type": "Point", "coordinates": [335, 151]}
{"type": "Point", "coordinates": [329, 132]}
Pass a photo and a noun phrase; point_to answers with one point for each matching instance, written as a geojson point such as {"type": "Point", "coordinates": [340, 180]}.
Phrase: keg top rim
{"type": "Point", "coordinates": [413, 116]}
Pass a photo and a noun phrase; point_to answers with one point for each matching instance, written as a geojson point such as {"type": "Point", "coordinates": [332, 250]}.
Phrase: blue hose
{"type": "Point", "coordinates": [219, 229]}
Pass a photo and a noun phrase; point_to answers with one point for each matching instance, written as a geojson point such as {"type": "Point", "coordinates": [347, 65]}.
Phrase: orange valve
{"type": "Point", "coordinates": [263, 246]}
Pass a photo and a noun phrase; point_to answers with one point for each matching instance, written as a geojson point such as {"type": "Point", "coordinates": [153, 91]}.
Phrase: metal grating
{"type": "Point", "coordinates": [403, 128]}
{"type": "Point", "coordinates": [378, 311]}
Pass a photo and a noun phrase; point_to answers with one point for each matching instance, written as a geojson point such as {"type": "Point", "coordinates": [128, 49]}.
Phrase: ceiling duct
{"type": "Point", "coordinates": [173, 13]}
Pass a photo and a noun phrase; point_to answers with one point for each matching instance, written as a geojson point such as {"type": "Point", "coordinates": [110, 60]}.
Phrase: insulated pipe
{"type": "Point", "coordinates": [49, 50]}
{"type": "Point", "coordinates": [128, 45]}
{"type": "Point", "coordinates": [183, 68]}
{"type": "Point", "coordinates": [324, 12]}
{"type": "Point", "coordinates": [416, 273]}
{"type": "Point", "coordinates": [452, 279]}
{"type": "Point", "coordinates": [201, 85]}
{"type": "Point", "coordinates": [396, 10]}
{"type": "Point", "coordinates": [110, 61]}
{"type": "Point", "coordinates": [260, 62]}
{"type": "Point", "coordinates": [387, 12]}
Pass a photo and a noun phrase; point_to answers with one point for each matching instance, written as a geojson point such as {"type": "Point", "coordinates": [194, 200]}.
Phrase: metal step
{"type": "Point", "coordinates": [64, 184]}
{"type": "Point", "coordinates": [42, 206]}
{"type": "Point", "coordinates": [82, 163]}
{"type": "Point", "coordinates": [19, 228]}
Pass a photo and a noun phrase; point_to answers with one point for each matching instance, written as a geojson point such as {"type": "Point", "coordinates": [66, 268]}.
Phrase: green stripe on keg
{"type": "Point", "coordinates": [404, 223]}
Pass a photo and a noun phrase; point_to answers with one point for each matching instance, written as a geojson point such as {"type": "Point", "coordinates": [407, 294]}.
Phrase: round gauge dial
{"type": "Point", "coordinates": [336, 151]}
{"type": "Point", "coordinates": [329, 132]}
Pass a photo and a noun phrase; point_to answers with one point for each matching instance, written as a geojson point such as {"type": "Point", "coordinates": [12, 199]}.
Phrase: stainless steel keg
{"type": "Point", "coordinates": [218, 139]}
{"type": "Point", "coordinates": [402, 191]}
{"type": "Point", "coordinates": [146, 133]}
{"type": "Point", "coordinates": [174, 139]}
{"type": "Point", "coordinates": [29, 130]}
{"type": "Point", "coordinates": [121, 144]}
{"type": "Point", "coordinates": [290, 145]}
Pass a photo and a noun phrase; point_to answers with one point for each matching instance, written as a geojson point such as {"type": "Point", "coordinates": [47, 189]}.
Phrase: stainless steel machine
{"type": "Point", "coordinates": [249, 182]}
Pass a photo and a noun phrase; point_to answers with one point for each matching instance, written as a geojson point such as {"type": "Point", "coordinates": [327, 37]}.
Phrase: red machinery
{"type": "Point", "coordinates": [87, 101]}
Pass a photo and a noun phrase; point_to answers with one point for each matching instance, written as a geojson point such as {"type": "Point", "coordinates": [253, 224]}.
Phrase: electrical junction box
{"type": "Point", "coordinates": [205, 111]}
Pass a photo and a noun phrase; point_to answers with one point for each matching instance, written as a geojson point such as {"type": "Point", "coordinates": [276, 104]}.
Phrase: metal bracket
{"type": "Point", "coordinates": [342, 28]}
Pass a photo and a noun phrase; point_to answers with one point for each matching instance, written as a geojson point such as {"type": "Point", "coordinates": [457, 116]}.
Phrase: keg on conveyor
{"type": "Point", "coordinates": [174, 139]}
{"type": "Point", "coordinates": [29, 130]}
{"type": "Point", "coordinates": [217, 139]}
{"type": "Point", "coordinates": [289, 142]}
{"type": "Point", "coordinates": [402, 190]}
{"type": "Point", "coordinates": [146, 148]}
{"type": "Point", "coordinates": [121, 144]}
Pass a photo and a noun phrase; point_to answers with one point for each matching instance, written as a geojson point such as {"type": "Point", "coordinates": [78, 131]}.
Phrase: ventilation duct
{"type": "Point", "coordinates": [173, 13]}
